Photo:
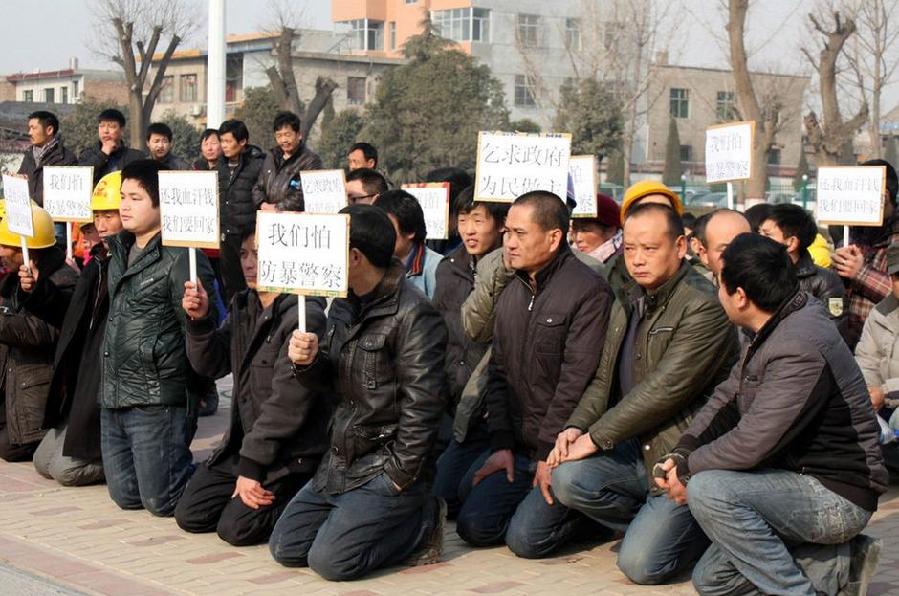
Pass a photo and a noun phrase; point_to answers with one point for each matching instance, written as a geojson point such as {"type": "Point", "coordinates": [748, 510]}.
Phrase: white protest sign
{"type": "Point", "coordinates": [19, 218]}
{"type": "Point", "coordinates": [510, 164]}
{"type": "Point", "coordinates": [434, 200]}
{"type": "Point", "coordinates": [583, 176]}
{"type": "Point", "coordinates": [728, 152]}
{"type": "Point", "coordinates": [67, 193]}
{"type": "Point", "coordinates": [324, 191]}
{"type": "Point", "coordinates": [302, 253]}
{"type": "Point", "coordinates": [188, 202]}
{"type": "Point", "coordinates": [851, 195]}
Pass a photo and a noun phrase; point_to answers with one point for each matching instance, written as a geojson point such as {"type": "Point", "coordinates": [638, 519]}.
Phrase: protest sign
{"type": "Point", "coordinates": [189, 206]}
{"type": "Point", "coordinates": [510, 164]}
{"type": "Point", "coordinates": [728, 152]}
{"type": "Point", "coordinates": [324, 191]}
{"type": "Point", "coordinates": [583, 176]}
{"type": "Point", "coordinates": [434, 200]}
{"type": "Point", "coordinates": [67, 193]}
{"type": "Point", "coordinates": [851, 195]}
{"type": "Point", "coordinates": [18, 206]}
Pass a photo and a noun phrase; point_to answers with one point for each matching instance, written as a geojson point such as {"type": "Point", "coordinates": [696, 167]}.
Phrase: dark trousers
{"type": "Point", "coordinates": [229, 263]}
{"type": "Point", "coordinates": [207, 506]}
{"type": "Point", "coordinates": [9, 451]}
{"type": "Point", "coordinates": [452, 466]}
{"type": "Point", "coordinates": [343, 537]}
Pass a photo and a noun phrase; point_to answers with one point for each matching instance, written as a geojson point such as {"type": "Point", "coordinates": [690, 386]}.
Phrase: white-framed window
{"type": "Point", "coordinates": [366, 34]}
{"type": "Point", "coordinates": [50, 95]}
{"type": "Point", "coordinates": [188, 88]}
{"type": "Point", "coordinates": [167, 92]}
{"type": "Point", "coordinates": [524, 92]}
{"type": "Point", "coordinates": [573, 34]}
{"type": "Point", "coordinates": [391, 34]}
{"type": "Point", "coordinates": [462, 24]}
{"type": "Point", "coordinates": [679, 103]}
{"type": "Point", "coordinates": [528, 30]}
{"type": "Point", "coordinates": [726, 106]}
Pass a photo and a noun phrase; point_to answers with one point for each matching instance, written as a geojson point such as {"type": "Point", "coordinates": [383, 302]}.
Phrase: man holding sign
{"type": "Point", "coordinates": [369, 505]}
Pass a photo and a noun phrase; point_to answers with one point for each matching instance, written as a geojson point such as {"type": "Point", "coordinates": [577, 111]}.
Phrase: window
{"type": "Point", "coordinates": [573, 34]}
{"type": "Point", "coordinates": [726, 106]}
{"type": "Point", "coordinates": [686, 153]}
{"type": "Point", "coordinates": [50, 95]}
{"type": "Point", "coordinates": [63, 95]}
{"type": "Point", "coordinates": [610, 34]}
{"type": "Point", "coordinates": [411, 1]}
{"type": "Point", "coordinates": [188, 85]}
{"type": "Point", "coordinates": [167, 92]}
{"type": "Point", "coordinates": [366, 34]}
{"type": "Point", "coordinates": [774, 156]}
{"type": "Point", "coordinates": [355, 91]}
{"type": "Point", "coordinates": [75, 90]}
{"type": "Point", "coordinates": [463, 24]}
{"type": "Point", "coordinates": [28, 95]}
{"type": "Point", "coordinates": [524, 92]}
{"type": "Point", "coordinates": [392, 35]}
{"type": "Point", "coordinates": [528, 31]}
{"type": "Point", "coordinates": [679, 103]}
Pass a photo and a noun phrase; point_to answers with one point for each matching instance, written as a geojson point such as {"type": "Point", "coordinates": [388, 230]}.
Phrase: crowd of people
{"type": "Point", "coordinates": [716, 391]}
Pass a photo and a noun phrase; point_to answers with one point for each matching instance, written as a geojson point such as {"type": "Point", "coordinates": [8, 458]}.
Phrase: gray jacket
{"type": "Point", "coordinates": [877, 352]}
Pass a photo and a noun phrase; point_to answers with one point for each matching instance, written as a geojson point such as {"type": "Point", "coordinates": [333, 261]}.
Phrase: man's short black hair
{"type": "Point", "coordinates": [46, 119]}
{"type": "Point", "coordinates": [793, 220]}
{"type": "Point", "coordinates": [112, 115]}
{"type": "Point", "coordinates": [550, 211]}
{"type": "Point", "coordinates": [146, 172]}
{"type": "Point", "coordinates": [368, 151]}
{"type": "Point", "coordinates": [371, 233]}
{"type": "Point", "coordinates": [407, 211]}
{"type": "Point", "coordinates": [762, 268]}
{"type": "Point", "coordinates": [159, 128]}
{"type": "Point", "coordinates": [699, 227]}
{"type": "Point", "coordinates": [689, 220]}
{"type": "Point", "coordinates": [283, 119]}
{"type": "Point", "coordinates": [757, 214]}
{"type": "Point", "coordinates": [465, 204]}
{"type": "Point", "coordinates": [673, 221]}
{"type": "Point", "coordinates": [373, 181]}
{"type": "Point", "coordinates": [237, 129]}
{"type": "Point", "coordinates": [458, 178]}
{"type": "Point", "coordinates": [892, 179]}
{"type": "Point", "coordinates": [208, 133]}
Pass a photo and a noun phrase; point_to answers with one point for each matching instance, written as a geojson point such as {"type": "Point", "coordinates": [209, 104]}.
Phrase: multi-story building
{"type": "Point", "coordinates": [69, 85]}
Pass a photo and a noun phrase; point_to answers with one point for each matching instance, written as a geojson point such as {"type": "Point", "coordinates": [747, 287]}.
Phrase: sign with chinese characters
{"type": "Point", "coordinates": [434, 200]}
{"type": "Point", "coordinates": [509, 164]}
{"type": "Point", "coordinates": [582, 169]}
{"type": "Point", "coordinates": [303, 253]}
{"type": "Point", "coordinates": [67, 193]}
{"type": "Point", "coordinates": [324, 191]}
{"type": "Point", "coordinates": [18, 206]}
{"type": "Point", "coordinates": [189, 206]}
{"type": "Point", "coordinates": [728, 152]}
{"type": "Point", "coordinates": [851, 195]}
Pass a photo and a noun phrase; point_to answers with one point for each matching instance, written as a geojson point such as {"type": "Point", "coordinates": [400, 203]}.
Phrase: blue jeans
{"type": "Point", "coordinates": [452, 466]}
{"type": "Point", "coordinates": [146, 456]}
{"type": "Point", "coordinates": [772, 531]}
{"type": "Point", "coordinates": [497, 510]}
{"type": "Point", "coordinates": [343, 537]}
{"type": "Point", "coordinates": [661, 538]}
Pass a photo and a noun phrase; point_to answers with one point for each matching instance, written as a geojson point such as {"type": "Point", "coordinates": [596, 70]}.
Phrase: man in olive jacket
{"type": "Point", "coordinates": [369, 505]}
{"type": "Point", "coordinates": [147, 420]}
{"type": "Point", "coordinates": [667, 348]}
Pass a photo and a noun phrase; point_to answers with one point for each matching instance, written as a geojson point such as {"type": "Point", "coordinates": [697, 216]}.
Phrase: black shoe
{"type": "Point", "coordinates": [432, 547]}
{"type": "Point", "coordinates": [865, 555]}
{"type": "Point", "coordinates": [209, 405]}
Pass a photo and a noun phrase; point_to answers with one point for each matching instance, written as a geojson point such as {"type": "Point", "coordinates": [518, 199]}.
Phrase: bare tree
{"type": "Point", "coordinates": [141, 27]}
{"type": "Point", "coordinates": [829, 135]}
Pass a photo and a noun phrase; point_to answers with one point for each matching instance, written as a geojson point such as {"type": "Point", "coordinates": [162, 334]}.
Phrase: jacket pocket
{"type": "Point", "coordinates": [549, 334]}
{"type": "Point", "coordinates": [372, 352]}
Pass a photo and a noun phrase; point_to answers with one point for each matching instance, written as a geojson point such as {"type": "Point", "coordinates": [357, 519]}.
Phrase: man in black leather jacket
{"type": "Point", "coordinates": [369, 505]}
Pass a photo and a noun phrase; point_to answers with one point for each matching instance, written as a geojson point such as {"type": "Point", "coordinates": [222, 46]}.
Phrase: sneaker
{"type": "Point", "coordinates": [209, 405]}
{"type": "Point", "coordinates": [865, 555]}
{"type": "Point", "coordinates": [432, 547]}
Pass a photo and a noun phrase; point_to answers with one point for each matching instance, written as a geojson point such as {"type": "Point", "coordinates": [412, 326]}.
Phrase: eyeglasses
{"type": "Point", "coordinates": [354, 199]}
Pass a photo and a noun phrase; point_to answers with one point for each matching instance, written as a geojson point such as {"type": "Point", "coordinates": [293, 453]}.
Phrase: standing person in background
{"type": "Point", "coordinates": [279, 187]}
{"type": "Point", "coordinates": [159, 147]}
{"type": "Point", "coordinates": [110, 154]}
{"type": "Point", "coordinates": [364, 186]}
{"type": "Point", "coordinates": [210, 150]}
{"type": "Point", "coordinates": [408, 220]}
{"type": "Point", "coordinates": [46, 149]}
{"type": "Point", "coordinates": [458, 180]}
{"type": "Point", "coordinates": [362, 155]}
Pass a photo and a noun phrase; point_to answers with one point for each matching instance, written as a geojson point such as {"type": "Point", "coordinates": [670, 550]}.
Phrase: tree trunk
{"type": "Point", "coordinates": [324, 87]}
{"type": "Point", "coordinates": [874, 122]}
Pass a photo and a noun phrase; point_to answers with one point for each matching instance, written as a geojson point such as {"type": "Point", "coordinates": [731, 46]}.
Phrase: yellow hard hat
{"type": "Point", "coordinates": [44, 234]}
{"type": "Point", "coordinates": [108, 193]}
{"type": "Point", "coordinates": [644, 188]}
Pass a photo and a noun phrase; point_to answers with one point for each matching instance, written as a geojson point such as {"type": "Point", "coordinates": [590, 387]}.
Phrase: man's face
{"type": "Point", "coordinates": [478, 231]}
{"type": "Point", "coordinates": [90, 237]}
{"type": "Point", "coordinates": [110, 130]}
{"type": "Point", "coordinates": [404, 242]}
{"type": "Point", "coordinates": [288, 140]}
{"type": "Point", "coordinates": [159, 146]}
{"type": "Point", "coordinates": [211, 148]}
{"type": "Point", "coordinates": [719, 232]}
{"type": "Point", "coordinates": [38, 133]}
{"type": "Point", "coordinates": [138, 215]}
{"type": "Point", "coordinates": [12, 256]}
{"type": "Point", "coordinates": [356, 159]}
{"type": "Point", "coordinates": [731, 303]}
{"type": "Point", "coordinates": [356, 194]}
{"type": "Point", "coordinates": [651, 255]}
{"type": "Point", "coordinates": [231, 148]}
{"type": "Point", "coordinates": [527, 246]}
{"type": "Point", "coordinates": [107, 224]}
{"type": "Point", "coordinates": [770, 230]}
{"type": "Point", "coordinates": [249, 260]}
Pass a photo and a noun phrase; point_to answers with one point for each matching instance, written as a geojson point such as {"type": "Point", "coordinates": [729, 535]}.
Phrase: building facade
{"type": "Point", "coordinates": [69, 85]}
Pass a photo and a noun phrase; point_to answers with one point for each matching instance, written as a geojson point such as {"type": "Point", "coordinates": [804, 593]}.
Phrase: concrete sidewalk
{"type": "Point", "coordinates": [77, 538]}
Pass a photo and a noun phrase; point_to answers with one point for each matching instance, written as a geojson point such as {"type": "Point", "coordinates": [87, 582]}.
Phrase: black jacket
{"type": "Point", "coordinates": [547, 345]}
{"type": "Point", "coordinates": [383, 358]}
{"type": "Point", "coordinates": [236, 191]}
{"type": "Point", "coordinates": [173, 162]}
{"type": "Point", "coordinates": [26, 349]}
{"type": "Point", "coordinates": [75, 385]}
{"type": "Point", "coordinates": [58, 155]}
{"type": "Point", "coordinates": [455, 281]}
{"type": "Point", "coordinates": [277, 425]}
{"type": "Point", "coordinates": [104, 164]}
{"type": "Point", "coordinates": [279, 181]}
{"type": "Point", "coordinates": [827, 287]}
